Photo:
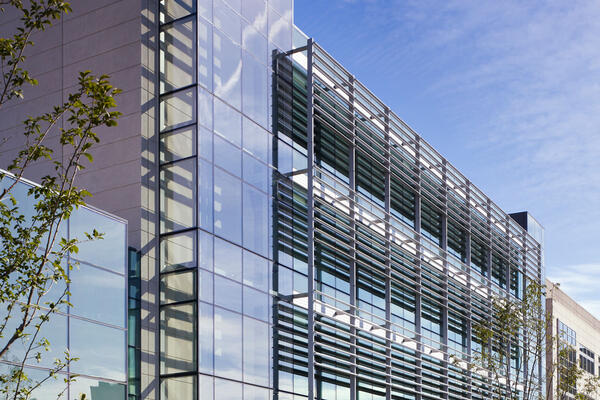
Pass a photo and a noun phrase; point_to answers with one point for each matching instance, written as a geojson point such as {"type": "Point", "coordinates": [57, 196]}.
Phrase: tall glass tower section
{"type": "Point", "coordinates": [311, 244]}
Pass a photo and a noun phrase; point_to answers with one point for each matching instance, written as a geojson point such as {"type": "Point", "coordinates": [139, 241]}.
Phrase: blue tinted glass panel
{"type": "Point", "coordinates": [228, 206]}
{"type": "Point", "coordinates": [227, 390]}
{"type": "Point", "coordinates": [226, 20]}
{"type": "Point", "coordinates": [100, 349]}
{"type": "Point", "coordinates": [256, 173]}
{"type": "Point", "coordinates": [97, 294]}
{"type": "Point", "coordinates": [256, 304]}
{"type": "Point", "coordinates": [255, 89]}
{"type": "Point", "coordinates": [228, 157]}
{"type": "Point", "coordinates": [228, 260]}
{"type": "Point", "coordinates": [256, 271]}
{"type": "Point", "coordinates": [227, 69]}
{"type": "Point", "coordinates": [256, 352]}
{"type": "Point", "coordinates": [205, 338]}
{"type": "Point", "coordinates": [255, 11]}
{"type": "Point", "coordinates": [109, 252]}
{"type": "Point", "coordinates": [228, 122]}
{"type": "Point", "coordinates": [256, 220]}
{"type": "Point", "coordinates": [228, 346]}
{"type": "Point", "coordinates": [228, 294]}
{"type": "Point", "coordinates": [256, 140]}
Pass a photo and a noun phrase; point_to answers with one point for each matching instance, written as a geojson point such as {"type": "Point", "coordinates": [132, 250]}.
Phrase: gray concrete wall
{"type": "Point", "coordinates": [103, 36]}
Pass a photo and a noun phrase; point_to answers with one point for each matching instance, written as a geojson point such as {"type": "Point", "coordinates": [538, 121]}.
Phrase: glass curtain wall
{"type": "Point", "coordinates": [216, 174]}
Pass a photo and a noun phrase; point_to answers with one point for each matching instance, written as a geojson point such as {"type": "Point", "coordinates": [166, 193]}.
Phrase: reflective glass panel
{"type": "Point", "coordinates": [173, 9]}
{"type": "Point", "coordinates": [177, 388]}
{"type": "Point", "coordinates": [177, 55]}
{"type": "Point", "coordinates": [228, 259]}
{"type": "Point", "coordinates": [256, 393]}
{"type": "Point", "coordinates": [227, 206]}
{"type": "Point", "coordinates": [256, 140]}
{"type": "Point", "coordinates": [97, 294]}
{"type": "Point", "coordinates": [228, 294]}
{"type": "Point", "coordinates": [255, 11]}
{"type": "Point", "coordinates": [228, 346]}
{"type": "Point", "coordinates": [227, 70]}
{"type": "Point", "coordinates": [225, 19]}
{"type": "Point", "coordinates": [256, 220]}
{"type": "Point", "coordinates": [256, 304]}
{"type": "Point", "coordinates": [256, 352]}
{"type": "Point", "coordinates": [228, 157]}
{"type": "Point", "coordinates": [256, 271]}
{"type": "Point", "coordinates": [178, 144]}
{"type": "Point", "coordinates": [178, 338]}
{"type": "Point", "coordinates": [110, 251]}
{"type": "Point", "coordinates": [105, 358]}
{"type": "Point", "coordinates": [205, 195]}
{"type": "Point", "coordinates": [205, 337]}
{"type": "Point", "coordinates": [255, 89]}
{"type": "Point", "coordinates": [177, 286]}
{"type": "Point", "coordinates": [205, 35]}
{"type": "Point", "coordinates": [255, 43]}
{"type": "Point", "coordinates": [178, 251]}
{"type": "Point", "coordinates": [227, 390]}
{"type": "Point", "coordinates": [280, 29]}
{"type": "Point", "coordinates": [177, 195]}
{"type": "Point", "coordinates": [256, 173]}
{"type": "Point", "coordinates": [228, 122]}
{"type": "Point", "coordinates": [177, 109]}
{"type": "Point", "coordinates": [94, 389]}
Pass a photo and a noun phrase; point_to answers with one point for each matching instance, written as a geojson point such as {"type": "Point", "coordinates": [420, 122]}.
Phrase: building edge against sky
{"type": "Point", "coordinates": [94, 329]}
{"type": "Point", "coordinates": [338, 244]}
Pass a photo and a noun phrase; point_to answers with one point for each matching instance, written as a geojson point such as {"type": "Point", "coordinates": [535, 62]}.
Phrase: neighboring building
{"type": "Point", "coordinates": [288, 224]}
{"type": "Point", "coordinates": [576, 328]}
{"type": "Point", "coordinates": [94, 328]}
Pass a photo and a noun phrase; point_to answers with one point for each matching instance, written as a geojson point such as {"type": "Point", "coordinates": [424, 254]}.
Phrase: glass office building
{"type": "Point", "coordinates": [312, 245]}
{"type": "Point", "coordinates": [93, 329]}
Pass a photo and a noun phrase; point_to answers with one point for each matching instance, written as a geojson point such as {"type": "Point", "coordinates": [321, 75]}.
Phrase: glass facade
{"type": "Point", "coordinates": [311, 244]}
{"type": "Point", "coordinates": [94, 327]}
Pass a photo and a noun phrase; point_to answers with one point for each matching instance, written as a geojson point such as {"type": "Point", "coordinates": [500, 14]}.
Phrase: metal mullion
{"type": "Point", "coordinates": [388, 284]}
{"type": "Point", "coordinates": [445, 310]}
{"type": "Point", "coordinates": [418, 273]}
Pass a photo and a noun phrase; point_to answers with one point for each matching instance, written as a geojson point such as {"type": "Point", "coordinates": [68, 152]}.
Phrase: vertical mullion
{"type": "Point", "coordinates": [469, 289]}
{"type": "Point", "coordinates": [445, 279]}
{"type": "Point", "coordinates": [310, 220]}
{"type": "Point", "coordinates": [419, 349]}
{"type": "Point", "coordinates": [352, 272]}
{"type": "Point", "coordinates": [388, 269]}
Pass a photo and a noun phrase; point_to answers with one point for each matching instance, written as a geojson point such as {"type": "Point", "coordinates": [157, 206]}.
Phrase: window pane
{"type": "Point", "coordinates": [205, 195]}
{"type": "Point", "coordinates": [107, 304]}
{"type": "Point", "coordinates": [255, 11]}
{"type": "Point", "coordinates": [177, 55]}
{"type": "Point", "coordinates": [228, 294]}
{"type": "Point", "coordinates": [177, 338]}
{"type": "Point", "coordinates": [227, 390]}
{"type": "Point", "coordinates": [227, 70]}
{"type": "Point", "coordinates": [178, 286]}
{"type": "Point", "coordinates": [205, 36]}
{"type": "Point", "coordinates": [256, 352]}
{"type": "Point", "coordinates": [205, 143]}
{"type": "Point", "coordinates": [179, 388]}
{"type": "Point", "coordinates": [94, 389]}
{"type": "Point", "coordinates": [255, 43]}
{"type": "Point", "coordinates": [228, 157]}
{"type": "Point", "coordinates": [256, 220]}
{"type": "Point", "coordinates": [280, 29]}
{"type": "Point", "coordinates": [228, 260]}
{"type": "Point", "coordinates": [228, 122]}
{"type": "Point", "coordinates": [256, 271]}
{"type": "Point", "coordinates": [225, 19]}
{"type": "Point", "coordinates": [255, 89]}
{"type": "Point", "coordinates": [255, 393]}
{"type": "Point", "coordinates": [228, 346]}
{"type": "Point", "coordinates": [177, 196]}
{"type": "Point", "coordinates": [256, 140]}
{"type": "Point", "coordinates": [173, 9]}
{"type": "Point", "coordinates": [100, 349]}
{"type": "Point", "coordinates": [205, 335]}
{"type": "Point", "coordinates": [178, 109]}
{"type": "Point", "coordinates": [256, 304]}
{"type": "Point", "coordinates": [256, 173]}
{"type": "Point", "coordinates": [205, 286]}
{"type": "Point", "coordinates": [178, 251]}
{"type": "Point", "coordinates": [178, 144]}
{"type": "Point", "coordinates": [228, 206]}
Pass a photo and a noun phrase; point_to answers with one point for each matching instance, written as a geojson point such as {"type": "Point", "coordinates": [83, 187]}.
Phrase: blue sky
{"type": "Point", "coordinates": [508, 91]}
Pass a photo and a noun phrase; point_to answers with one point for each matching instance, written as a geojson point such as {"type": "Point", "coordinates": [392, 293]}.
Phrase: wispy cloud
{"type": "Point", "coordinates": [575, 280]}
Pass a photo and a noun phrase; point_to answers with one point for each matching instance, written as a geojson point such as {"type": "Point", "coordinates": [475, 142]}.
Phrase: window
{"type": "Point", "coordinates": [587, 360]}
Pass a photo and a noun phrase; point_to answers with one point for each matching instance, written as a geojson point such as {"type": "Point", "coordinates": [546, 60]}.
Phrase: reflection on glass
{"type": "Point", "coordinates": [227, 70]}
{"type": "Point", "coordinates": [205, 35]}
{"type": "Point", "coordinates": [280, 29]}
{"type": "Point", "coordinates": [105, 358]}
{"type": "Point", "coordinates": [178, 286]}
{"type": "Point", "coordinates": [255, 43]}
{"type": "Point", "coordinates": [255, 89]}
{"type": "Point", "coordinates": [255, 11]}
{"type": "Point", "coordinates": [228, 294]}
{"type": "Point", "coordinates": [256, 352]}
{"type": "Point", "coordinates": [256, 220]}
{"type": "Point", "coordinates": [256, 173]}
{"type": "Point", "coordinates": [227, 390]}
{"type": "Point", "coordinates": [228, 347]}
{"type": "Point", "coordinates": [259, 393]}
{"type": "Point", "coordinates": [256, 271]}
{"type": "Point", "coordinates": [228, 259]}
{"type": "Point", "coordinates": [177, 195]}
{"type": "Point", "coordinates": [176, 388]}
{"type": "Point", "coordinates": [177, 338]}
{"type": "Point", "coordinates": [178, 144]}
{"type": "Point", "coordinates": [173, 9]}
{"type": "Point", "coordinates": [228, 206]}
{"type": "Point", "coordinates": [228, 157]}
{"type": "Point", "coordinates": [109, 252]}
{"type": "Point", "coordinates": [177, 55]}
{"type": "Point", "coordinates": [226, 20]}
{"type": "Point", "coordinates": [205, 338]}
{"type": "Point", "coordinates": [281, 6]}
{"type": "Point", "coordinates": [205, 195]}
{"type": "Point", "coordinates": [177, 251]}
{"type": "Point", "coordinates": [256, 140]}
{"type": "Point", "coordinates": [205, 286]}
{"type": "Point", "coordinates": [95, 390]}
{"type": "Point", "coordinates": [178, 109]}
{"type": "Point", "coordinates": [256, 304]}
{"type": "Point", "coordinates": [228, 122]}
{"type": "Point", "coordinates": [97, 294]}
